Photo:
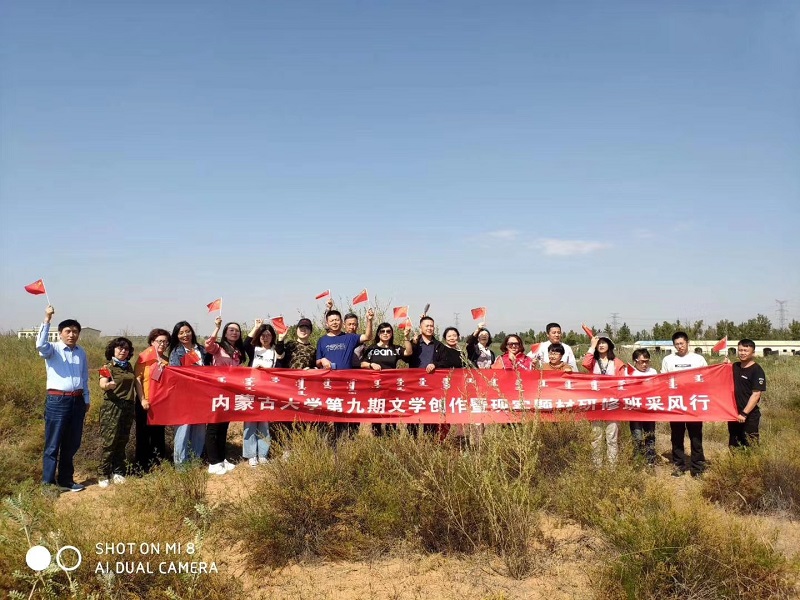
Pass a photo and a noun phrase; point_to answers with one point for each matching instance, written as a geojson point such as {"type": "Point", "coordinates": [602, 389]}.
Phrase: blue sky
{"type": "Point", "coordinates": [550, 161]}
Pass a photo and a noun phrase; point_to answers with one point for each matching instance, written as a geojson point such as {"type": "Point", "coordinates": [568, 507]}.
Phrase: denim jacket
{"type": "Point", "coordinates": [176, 356]}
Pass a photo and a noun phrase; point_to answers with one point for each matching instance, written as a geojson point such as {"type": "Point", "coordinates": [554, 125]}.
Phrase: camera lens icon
{"type": "Point", "coordinates": [38, 558]}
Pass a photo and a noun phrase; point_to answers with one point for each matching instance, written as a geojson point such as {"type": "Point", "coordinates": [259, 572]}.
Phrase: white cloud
{"type": "Point", "coordinates": [554, 247]}
{"type": "Point", "coordinates": [505, 234]}
{"type": "Point", "coordinates": [643, 234]}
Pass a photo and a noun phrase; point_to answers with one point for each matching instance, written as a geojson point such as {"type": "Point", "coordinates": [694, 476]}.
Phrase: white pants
{"type": "Point", "coordinates": [611, 429]}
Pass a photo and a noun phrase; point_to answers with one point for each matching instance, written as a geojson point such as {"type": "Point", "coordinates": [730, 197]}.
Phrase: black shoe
{"type": "Point", "coordinates": [678, 472]}
{"type": "Point", "coordinates": [697, 475]}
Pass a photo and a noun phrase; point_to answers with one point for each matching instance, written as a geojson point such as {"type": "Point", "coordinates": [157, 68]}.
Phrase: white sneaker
{"type": "Point", "coordinates": [217, 469]}
{"type": "Point", "coordinates": [118, 479]}
{"type": "Point", "coordinates": [253, 462]}
{"type": "Point", "coordinates": [103, 483]}
{"type": "Point", "coordinates": [262, 460]}
{"type": "Point", "coordinates": [229, 466]}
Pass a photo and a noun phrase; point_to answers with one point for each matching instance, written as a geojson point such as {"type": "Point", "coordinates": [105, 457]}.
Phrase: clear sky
{"type": "Point", "coordinates": [550, 161]}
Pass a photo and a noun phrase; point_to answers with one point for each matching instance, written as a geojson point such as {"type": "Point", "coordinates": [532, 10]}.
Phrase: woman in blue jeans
{"type": "Point", "coordinates": [261, 346]}
{"type": "Point", "coordinates": [184, 351]}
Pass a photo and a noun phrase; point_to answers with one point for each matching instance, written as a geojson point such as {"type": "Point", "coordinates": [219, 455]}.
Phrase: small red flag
{"type": "Point", "coordinates": [588, 331]}
{"type": "Point", "coordinates": [279, 325]}
{"type": "Point", "coordinates": [148, 355]}
{"type": "Point", "coordinates": [105, 372]}
{"type": "Point", "coordinates": [479, 313]}
{"type": "Point", "coordinates": [721, 346]}
{"type": "Point", "coordinates": [400, 312]}
{"type": "Point", "coordinates": [191, 359]}
{"type": "Point", "coordinates": [405, 324]}
{"type": "Point", "coordinates": [535, 347]}
{"type": "Point", "coordinates": [324, 294]}
{"type": "Point", "coordinates": [215, 305]}
{"type": "Point", "coordinates": [362, 297]}
{"type": "Point", "coordinates": [36, 288]}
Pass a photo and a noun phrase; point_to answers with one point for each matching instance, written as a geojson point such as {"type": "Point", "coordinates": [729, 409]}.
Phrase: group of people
{"type": "Point", "coordinates": [126, 385]}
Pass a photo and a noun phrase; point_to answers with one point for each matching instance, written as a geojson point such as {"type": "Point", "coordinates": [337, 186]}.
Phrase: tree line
{"type": "Point", "coordinates": [757, 328]}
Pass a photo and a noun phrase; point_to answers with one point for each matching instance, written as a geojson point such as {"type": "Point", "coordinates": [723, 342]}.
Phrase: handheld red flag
{"type": "Point", "coordinates": [105, 372]}
{"type": "Point", "coordinates": [405, 324]}
{"type": "Point", "coordinates": [587, 330]}
{"type": "Point", "coordinates": [279, 325]}
{"type": "Point", "coordinates": [148, 354]}
{"type": "Point", "coordinates": [362, 297]}
{"type": "Point", "coordinates": [400, 312]}
{"type": "Point", "coordinates": [215, 305]}
{"type": "Point", "coordinates": [479, 313]}
{"type": "Point", "coordinates": [535, 347]}
{"type": "Point", "coordinates": [36, 288]}
{"type": "Point", "coordinates": [324, 294]}
{"type": "Point", "coordinates": [191, 359]}
{"type": "Point", "coordinates": [721, 346]}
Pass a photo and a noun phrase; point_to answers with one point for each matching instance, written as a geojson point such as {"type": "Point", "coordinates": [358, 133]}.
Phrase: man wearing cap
{"type": "Point", "coordinates": [67, 400]}
{"type": "Point", "coordinates": [300, 353]}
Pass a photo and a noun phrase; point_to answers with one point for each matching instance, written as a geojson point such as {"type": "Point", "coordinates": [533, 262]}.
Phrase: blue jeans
{"type": "Point", "coordinates": [256, 440]}
{"type": "Point", "coordinates": [63, 429]}
{"type": "Point", "coordinates": [188, 443]}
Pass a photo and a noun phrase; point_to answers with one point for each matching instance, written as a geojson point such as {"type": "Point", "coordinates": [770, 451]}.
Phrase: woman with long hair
{"type": "Point", "coordinates": [260, 344]}
{"type": "Point", "coordinates": [513, 357]}
{"type": "Point", "coordinates": [385, 354]}
{"type": "Point", "coordinates": [184, 351]}
{"type": "Point", "coordinates": [601, 360]}
{"type": "Point", "coordinates": [150, 443]}
{"type": "Point", "coordinates": [228, 352]}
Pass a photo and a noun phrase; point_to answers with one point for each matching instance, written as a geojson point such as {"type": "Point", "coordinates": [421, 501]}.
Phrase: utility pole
{"type": "Point", "coordinates": [782, 313]}
{"type": "Point", "coordinates": [615, 323]}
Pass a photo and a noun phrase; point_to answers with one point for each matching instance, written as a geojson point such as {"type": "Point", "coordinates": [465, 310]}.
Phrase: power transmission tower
{"type": "Point", "coordinates": [455, 317]}
{"type": "Point", "coordinates": [615, 323]}
{"type": "Point", "coordinates": [782, 313]}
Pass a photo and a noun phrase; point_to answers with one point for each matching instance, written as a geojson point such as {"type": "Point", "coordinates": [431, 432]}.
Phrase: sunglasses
{"type": "Point", "coordinates": [516, 344]}
{"type": "Point", "coordinates": [385, 331]}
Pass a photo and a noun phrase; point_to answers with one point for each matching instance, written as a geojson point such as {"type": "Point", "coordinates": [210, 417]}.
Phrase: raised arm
{"type": "Point", "coordinates": [368, 334]}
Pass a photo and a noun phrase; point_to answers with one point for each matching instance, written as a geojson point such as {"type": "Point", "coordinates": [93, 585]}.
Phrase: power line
{"type": "Point", "coordinates": [782, 313]}
{"type": "Point", "coordinates": [615, 323]}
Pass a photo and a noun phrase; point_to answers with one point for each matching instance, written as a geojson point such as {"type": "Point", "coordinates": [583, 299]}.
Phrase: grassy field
{"type": "Point", "coordinates": [525, 515]}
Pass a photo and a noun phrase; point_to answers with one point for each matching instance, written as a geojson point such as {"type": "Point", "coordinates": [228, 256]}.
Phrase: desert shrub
{"type": "Point", "coordinates": [761, 478]}
{"type": "Point", "coordinates": [135, 513]}
{"type": "Point", "coordinates": [684, 548]}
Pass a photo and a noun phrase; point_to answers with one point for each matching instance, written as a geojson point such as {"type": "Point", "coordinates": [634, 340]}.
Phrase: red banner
{"type": "Point", "coordinates": [186, 395]}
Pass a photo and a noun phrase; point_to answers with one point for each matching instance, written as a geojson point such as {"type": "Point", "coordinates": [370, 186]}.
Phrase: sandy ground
{"type": "Point", "coordinates": [562, 571]}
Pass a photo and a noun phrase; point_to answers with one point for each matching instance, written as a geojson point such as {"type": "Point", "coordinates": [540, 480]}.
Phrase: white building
{"type": "Point", "coordinates": [27, 334]}
{"type": "Point", "coordinates": [763, 347]}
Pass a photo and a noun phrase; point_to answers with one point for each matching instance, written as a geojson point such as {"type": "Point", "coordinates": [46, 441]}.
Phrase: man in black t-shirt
{"type": "Point", "coordinates": [749, 381]}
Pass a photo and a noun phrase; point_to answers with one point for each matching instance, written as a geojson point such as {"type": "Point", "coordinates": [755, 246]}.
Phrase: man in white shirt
{"type": "Point", "coordinates": [553, 337]}
{"type": "Point", "coordinates": [681, 360]}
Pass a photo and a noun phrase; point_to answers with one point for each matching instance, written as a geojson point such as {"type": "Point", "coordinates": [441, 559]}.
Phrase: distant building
{"type": "Point", "coordinates": [26, 334]}
{"type": "Point", "coordinates": [763, 347]}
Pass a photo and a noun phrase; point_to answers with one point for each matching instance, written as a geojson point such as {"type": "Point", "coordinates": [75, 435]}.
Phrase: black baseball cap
{"type": "Point", "coordinates": [304, 322]}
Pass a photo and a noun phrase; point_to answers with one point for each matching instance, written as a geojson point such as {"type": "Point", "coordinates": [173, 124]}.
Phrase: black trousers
{"type": "Point", "coordinates": [216, 438]}
{"type": "Point", "coordinates": [744, 434]}
{"type": "Point", "coordinates": [151, 447]}
{"type": "Point", "coordinates": [697, 463]}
